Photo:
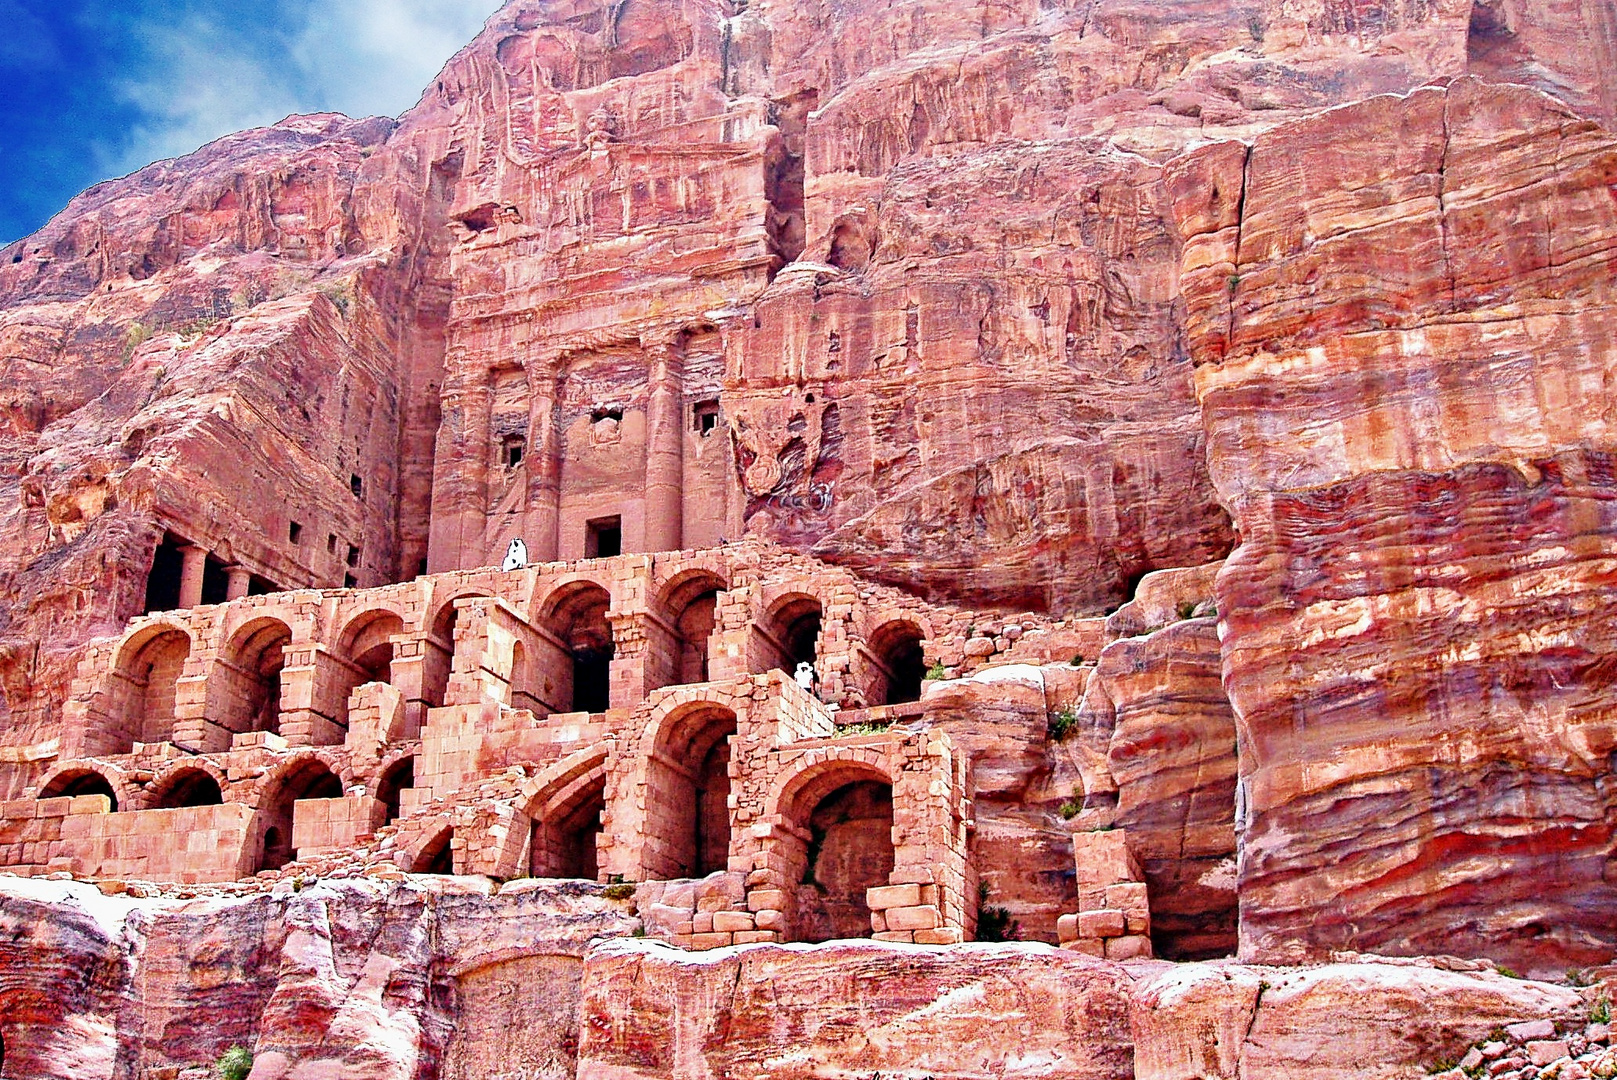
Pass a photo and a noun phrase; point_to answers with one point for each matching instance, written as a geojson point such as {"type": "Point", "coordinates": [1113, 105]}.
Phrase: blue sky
{"type": "Point", "coordinates": [92, 89]}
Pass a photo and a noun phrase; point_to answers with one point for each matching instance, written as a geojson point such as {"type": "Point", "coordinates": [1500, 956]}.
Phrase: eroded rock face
{"type": "Point", "coordinates": [1418, 453]}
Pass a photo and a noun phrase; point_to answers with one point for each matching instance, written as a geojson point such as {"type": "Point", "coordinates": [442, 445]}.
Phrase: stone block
{"type": "Point", "coordinates": [1128, 947]}
{"type": "Point", "coordinates": [919, 917]}
{"type": "Point", "coordinates": [1542, 1052]}
{"type": "Point", "coordinates": [762, 899]}
{"type": "Point", "coordinates": [751, 937]}
{"type": "Point", "coordinates": [1087, 946]}
{"type": "Point", "coordinates": [1067, 928]}
{"type": "Point", "coordinates": [700, 942]}
{"type": "Point", "coordinates": [893, 935]}
{"type": "Point", "coordinates": [732, 921]}
{"type": "Point", "coordinates": [882, 897]}
{"type": "Point", "coordinates": [1531, 1029]}
{"type": "Point", "coordinates": [1128, 896]}
{"type": "Point", "coordinates": [1102, 858]}
{"type": "Point", "coordinates": [942, 935]}
{"type": "Point", "coordinates": [1102, 924]}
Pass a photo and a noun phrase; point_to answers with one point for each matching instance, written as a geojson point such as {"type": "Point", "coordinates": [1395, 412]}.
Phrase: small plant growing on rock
{"type": "Point", "coordinates": [1072, 807]}
{"type": "Point", "coordinates": [1187, 610]}
{"type": "Point", "coordinates": [620, 890]}
{"type": "Point", "coordinates": [1600, 1011]}
{"type": "Point", "coordinates": [234, 1064]}
{"type": "Point", "coordinates": [936, 673]}
{"type": "Point", "coordinates": [1507, 972]}
{"type": "Point", "coordinates": [994, 923]}
{"type": "Point", "coordinates": [1077, 660]}
{"type": "Point", "coordinates": [1062, 723]}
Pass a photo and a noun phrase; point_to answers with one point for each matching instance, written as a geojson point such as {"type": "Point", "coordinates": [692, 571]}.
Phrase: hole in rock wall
{"type": "Point", "coordinates": [564, 840]}
{"type": "Point", "coordinates": [143, 693]}
{"type": "Point", "coordinates": [688, 791]}
{"type": "Point", "coordinates": [603, 538]}
{"type": "Point", "coordinates": [578, 618]}
{"type": "Point", "coordinates": [163, 583]}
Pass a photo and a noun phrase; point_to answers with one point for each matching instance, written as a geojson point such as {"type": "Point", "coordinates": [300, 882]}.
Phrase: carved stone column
{"type": "Point", "coordinates": [544, 462]}
{"type": "Point", "coordinates": [194, 560]}
{"type": "Point", "coordinates": [665, 450]}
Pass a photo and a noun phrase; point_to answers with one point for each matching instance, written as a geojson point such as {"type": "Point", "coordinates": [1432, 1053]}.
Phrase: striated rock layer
{"type": "Point", "coordinates": [1405, 351]}
{"type": "Point", "coordinates": [427, 978]}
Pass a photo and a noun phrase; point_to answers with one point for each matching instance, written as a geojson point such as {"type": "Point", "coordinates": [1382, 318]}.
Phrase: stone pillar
{"type": "Point", "coordinates": [238, 580]}
{"type": "Point", "coordinates": [665, 451]}
{"type": "Point", "coordinates": [544, 464]}
{"type": "Point", "coordinates": [460, 470]}
{"type": "Point", "coordinates": [194, 561]}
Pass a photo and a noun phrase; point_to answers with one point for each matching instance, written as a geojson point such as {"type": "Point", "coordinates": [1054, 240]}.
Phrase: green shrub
{"type": "Point", "coordinates": [1187, 609]}
{"type": "Point", "coordinates": [1072, 807]}
{"type": "Point", "coordinates": [620, 891]}
{"type": "Point", "coordinates": [1062, 722]}
{"type": "Point", "coordinates": [1600, 1011]}
{"type": "Point", "coordinates": [936, 673]}
{"type": "Point", "coordinates": [1507, 972]}
{"type": "Point", "coordinates": [1077, 660]}
{"type": "Point", "coordinates": [234, 1064]}
{"type": "Point", "coordinates": [996, 924]}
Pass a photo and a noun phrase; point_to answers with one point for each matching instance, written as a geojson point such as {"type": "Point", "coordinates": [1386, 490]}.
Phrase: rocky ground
{"type": "Point", "coordinates": [459, 978]}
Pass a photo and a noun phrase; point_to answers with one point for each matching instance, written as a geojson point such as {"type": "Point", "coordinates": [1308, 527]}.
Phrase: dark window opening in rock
{"type": "Point", "coordinates": [331, 543]}
{"type": "Point", "coordinates": [437, 857]}
{"type": "Point", "coordinates": [353, 554]}
{"type": "Point", "coordinates": [257, 586]}
{"type": "Point", "coordinates": [357, 486]}
{"type": "Point", "coordinates": [277, 849]}
{"type": "Point", "coordinates": [72, 785]}
{"type": "Point", "coordinates": [349, 581]}
{"type": "Point", "coordinates": [850, 851]}
{"type": "Point", "coordinates": [163, 583]}
{"type": "Point", "coordinates": [705, 417]}
{"type": "Point", "coordinates": [512, 449]}
{"type": "Point", "coordinates": [603, 538]}
{"type": "Point", "coordinates": [606, 412]}
{"type": "Point", "coordinates": [215, 582]}
{"type": "Point", "coordinates": [900, 664]}
{"type": "Point", "coordinates": [399, 777]}
{"type": "Point", "coordinates": [421, 568]}
{"type": "Point", "coordinates": [592, 680]}
{"type": "Point", "coordinates": [294, 532]}
{"type": "Point", "coordinates": [582, 676]}
{"type": "Point", "coordinates": [193, 787]}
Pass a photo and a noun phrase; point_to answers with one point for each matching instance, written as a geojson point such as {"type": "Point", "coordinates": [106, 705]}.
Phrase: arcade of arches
{"type": "Point", "coordinates": [641, 718]}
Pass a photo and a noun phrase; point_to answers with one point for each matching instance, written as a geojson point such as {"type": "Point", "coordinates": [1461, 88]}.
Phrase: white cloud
{"type": "Point", "coordinates": [360, 57]}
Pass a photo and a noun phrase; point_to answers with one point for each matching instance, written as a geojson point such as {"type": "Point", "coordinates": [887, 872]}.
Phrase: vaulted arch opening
{"type": "Point", "coordinates": [688, 792]}
{"type": "Point", "coordinates": [689, 605]}
{"type": "Point", "coordinates": [396, 779]}
{"type": "Point", "coordinates": [67, 785]}
{"type": "Point", "coordinates": [146, 678]}
{"type": "Point", "coordinates": [187, 787]}
{"type": "Point", "coordinates": [576, 616]}
{"type": "Point", "coordinates": [249, 680]}
{"type": "Point", "coordinates": [565, 835]}
{"type": "Point", "coordinates": [789, 634]}
{"type": "Point", "coordinates": [898, 664]}
{"type": "Point", "coordinates": [309, 778]}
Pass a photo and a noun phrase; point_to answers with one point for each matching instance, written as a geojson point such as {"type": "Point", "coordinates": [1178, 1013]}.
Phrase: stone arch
{"type": "Point", "coordinates": [73, 778]}
{"type": "Point", "coordinates": [435, 853]}
{"type": "Point", "coordinates": [438, 647]}
{"type": "Point", "coordinates": [835, 843]}
{"type": "Point", "coordinates": [565, 805]}
{"type": "Point", "coordinates": [306, 776]}
{"type": "Point", "coordinates": [245, 690]}
{"type": "Point", "coordinates": [396, 775]}
{"type": "Point", "coordinates": [187, 783]}
{"type": "Point", "coordinates": [144, 685]}
{"type": "Point", "coordinates": [364, 654]}
{"type": "Point", "coordinates": [687, 814]}
{"type": "Point", "coordinates": [895, 662]}
{"type": "Point", "coordinates": [687, 605]}
{"type": "Point", "coordinates": [788, 633]}
{"type": "Point", "coordinates": [575, 615]}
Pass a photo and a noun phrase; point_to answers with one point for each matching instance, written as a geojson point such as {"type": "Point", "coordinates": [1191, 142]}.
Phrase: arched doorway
{"type": "Point", "coordinates": [187, 787]}
{"type": "Point", "coordinates": [71, 784]}
{"type": "Point", "coordinates": [850, 850]}
{"type": "Point", "coordinates": [688, 792]}
{"type": "Point", "coordinates": [438, 652]}
{"type": "Point", "coordinates": [250, 679]}
{"type": "Point", "coordinates": [898, 662]}
{"type": "Point", "coordinates": [566, 832]}
{"type": "Point", "coordinates": [309, 778]}
{"type": "Point", "coordinates": [437, 856]}
{"type": "Point", "coordinates": [395, 779]}
{"type": "Point", "coordinates": [791, 634]}
{"type": "Point", "coordinates": [148, 673]}
{"type": "Point", "coordinates": [690, 606]}
{"type": "Point", "coordinates": [577, 617]}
